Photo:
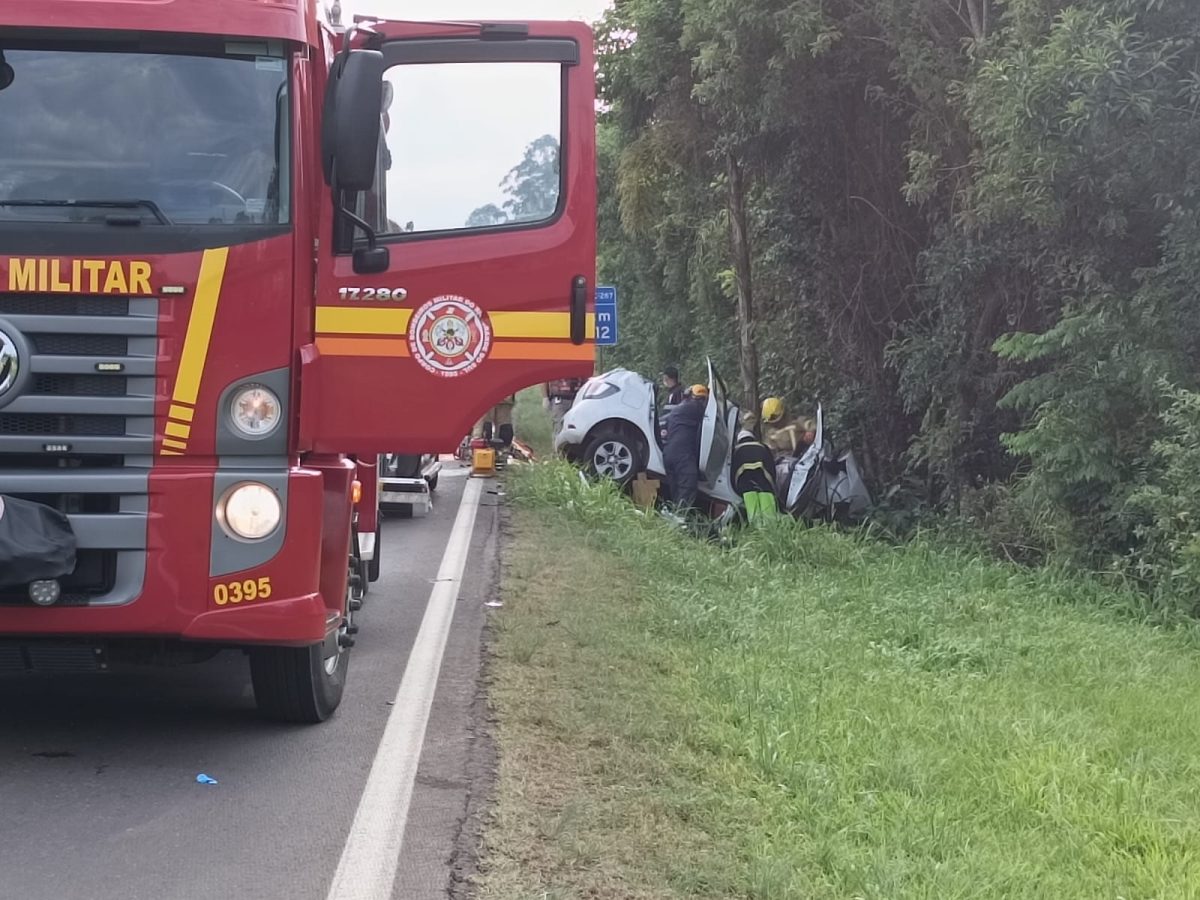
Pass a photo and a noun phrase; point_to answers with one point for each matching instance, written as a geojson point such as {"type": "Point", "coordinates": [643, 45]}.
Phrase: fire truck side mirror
{"type": "Point", "coordinates": [371, 260]}
{"type": "Point", "coordinates": [351, 132]}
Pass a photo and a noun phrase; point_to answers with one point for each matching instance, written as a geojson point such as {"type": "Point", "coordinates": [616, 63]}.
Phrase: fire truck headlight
{"type": "Point", "coordinates": [249, 511]}
{"type": "Point", "coordinates": [255, 411]}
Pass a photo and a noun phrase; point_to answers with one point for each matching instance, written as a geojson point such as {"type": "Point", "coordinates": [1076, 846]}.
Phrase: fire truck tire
{"type": "Point", "coordinates": [373, 564]}
{"type": "Point", "coordinates": [305, 684]}
{"type": "Point", "coordinates": [294, 684]}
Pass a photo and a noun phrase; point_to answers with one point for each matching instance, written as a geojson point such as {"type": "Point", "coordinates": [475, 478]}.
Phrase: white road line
{"type": "Point", "coordinates": [367, 869]}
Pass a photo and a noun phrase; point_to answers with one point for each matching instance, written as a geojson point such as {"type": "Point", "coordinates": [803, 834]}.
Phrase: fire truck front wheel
{"type": "Point", "coordinates": [305, 684]}
{"type": "Point", "coordinates": [298, 684]}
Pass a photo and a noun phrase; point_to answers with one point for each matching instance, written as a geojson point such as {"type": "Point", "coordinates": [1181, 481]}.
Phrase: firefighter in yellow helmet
{"type": "Point", "coordinates": [785, 437]}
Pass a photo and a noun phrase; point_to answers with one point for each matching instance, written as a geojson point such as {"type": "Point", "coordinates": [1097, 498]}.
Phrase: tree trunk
{"type": "Point", "coordinates": [739, 239]}
{"type": "Point", "coordinates": [977, 12]}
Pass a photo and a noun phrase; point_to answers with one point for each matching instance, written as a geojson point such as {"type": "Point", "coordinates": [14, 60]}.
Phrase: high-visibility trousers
{"type": "Point", "coordinates": [760, 506]}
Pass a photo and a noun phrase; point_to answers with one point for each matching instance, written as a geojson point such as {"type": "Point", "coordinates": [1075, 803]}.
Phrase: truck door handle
{"type": "Point", "coordinates": [579, 288]}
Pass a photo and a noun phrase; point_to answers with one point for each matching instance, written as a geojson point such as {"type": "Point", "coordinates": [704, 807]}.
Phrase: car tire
{"type": "Point", "coordinates": [433, 483]}
{"type": "Point", "coordinates": [613, 455]}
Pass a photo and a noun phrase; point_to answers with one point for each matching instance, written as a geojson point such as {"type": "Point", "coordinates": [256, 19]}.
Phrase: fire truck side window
{"type": "Point", "coordinates": [472, 146]}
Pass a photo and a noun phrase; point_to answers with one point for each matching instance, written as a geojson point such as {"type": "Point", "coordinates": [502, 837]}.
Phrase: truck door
{"type": "Point", "coordinates": [485, 199]}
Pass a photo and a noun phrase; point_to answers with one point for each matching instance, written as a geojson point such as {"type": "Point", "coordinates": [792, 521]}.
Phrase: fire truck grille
{"type": "Point", "coordinates": [106, 345]}
{"type": "Point", "coordinates": [60, 426]}
{"type": "Point", "coordinates": [78, 435]}
{"type": "Point", "coordinates": [80, 385]}
{"type": "Point", "coordinates": [59, 305]}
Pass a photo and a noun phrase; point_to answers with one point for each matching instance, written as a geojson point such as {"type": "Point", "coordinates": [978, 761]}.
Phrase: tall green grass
{"type": "Point", "coordinates": [836, 717]}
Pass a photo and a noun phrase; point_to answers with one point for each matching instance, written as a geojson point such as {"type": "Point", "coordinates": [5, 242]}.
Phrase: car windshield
{"type": "Point", "coordinates": [125, 137]}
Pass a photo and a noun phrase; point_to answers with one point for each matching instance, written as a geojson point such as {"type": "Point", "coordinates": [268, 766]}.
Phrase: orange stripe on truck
{"type": "Point", "coordinates": [397, 349]}
{"type": "Point", "coordinates": [540, 350]}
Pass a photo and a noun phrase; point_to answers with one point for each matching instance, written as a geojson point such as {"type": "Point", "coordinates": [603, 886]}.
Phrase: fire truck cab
{"type": "Point", "coordinates": [240, 252]}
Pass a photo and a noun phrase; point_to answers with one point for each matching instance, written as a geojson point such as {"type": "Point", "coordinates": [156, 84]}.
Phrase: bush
{"type": "Point", "coordinates": [1167, 559]}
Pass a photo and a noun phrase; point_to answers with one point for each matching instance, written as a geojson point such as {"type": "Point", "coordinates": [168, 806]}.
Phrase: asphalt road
{"type": "Point", "coordinates": [98, 792]}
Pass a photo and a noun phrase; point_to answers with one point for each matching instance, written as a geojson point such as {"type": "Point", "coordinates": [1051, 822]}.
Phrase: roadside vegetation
{"type": "Point", "coordinates": [810, 714]}
{"type": "Point", "coordinates": [970, 228]}
{"type": "Point", "coordinates": [532, 424]}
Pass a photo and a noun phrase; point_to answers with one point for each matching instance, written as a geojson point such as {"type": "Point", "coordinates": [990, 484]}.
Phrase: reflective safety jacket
{"type": "Point", "coordinates": [753, 465]}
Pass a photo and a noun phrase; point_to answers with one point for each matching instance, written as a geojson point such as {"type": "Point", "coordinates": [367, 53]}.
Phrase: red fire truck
{"type": "Point", "coordinates": [240, 250]}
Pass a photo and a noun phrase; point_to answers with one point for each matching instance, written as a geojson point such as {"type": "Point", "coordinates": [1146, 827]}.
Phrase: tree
{"type": "Point", "coordinates": [486, 216]}
{"type": "Point", "coordinates": [970, 228]}
{"type": "Point", "coordinates": [533, 186]}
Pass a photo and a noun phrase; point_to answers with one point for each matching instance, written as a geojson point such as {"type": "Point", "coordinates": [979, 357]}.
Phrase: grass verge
{"type": "Point", "coordinates": [813, 715]}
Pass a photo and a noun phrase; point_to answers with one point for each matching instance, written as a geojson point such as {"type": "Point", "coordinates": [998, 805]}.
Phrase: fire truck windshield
{"type": "Point", "coordinates": [158, 139]}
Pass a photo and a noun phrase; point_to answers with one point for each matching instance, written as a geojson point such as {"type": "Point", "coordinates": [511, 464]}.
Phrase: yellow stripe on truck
{"type": "Point", "coordinates": [340, 320]}
{"type": "Point", "coordinates": [200, 325]}
{"type": "Point", "coordinates": [195, 350]}
{"type": "Point", "coordinates": [536, 324]}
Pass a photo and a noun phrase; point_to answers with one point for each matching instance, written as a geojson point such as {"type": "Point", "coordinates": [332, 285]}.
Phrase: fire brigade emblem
{"type": "Point", "coordinates": [449, 336]}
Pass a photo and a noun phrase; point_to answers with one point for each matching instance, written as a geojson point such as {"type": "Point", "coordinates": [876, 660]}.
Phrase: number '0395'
{"type": "Point", "coordinates": [232, 593]}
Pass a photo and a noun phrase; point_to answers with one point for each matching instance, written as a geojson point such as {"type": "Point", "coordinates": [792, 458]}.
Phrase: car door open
{"type": "Point", "coordinates": [714, 435]}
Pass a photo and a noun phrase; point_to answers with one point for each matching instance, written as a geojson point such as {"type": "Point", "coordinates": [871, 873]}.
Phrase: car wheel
{"type": "Point", "coordinates": [433, 482]}
{"type": "Point", "coordinates": [612, 455]}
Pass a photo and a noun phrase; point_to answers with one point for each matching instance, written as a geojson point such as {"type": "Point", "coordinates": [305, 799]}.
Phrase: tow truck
{"type": "Point", "coordinates": [243, 248]}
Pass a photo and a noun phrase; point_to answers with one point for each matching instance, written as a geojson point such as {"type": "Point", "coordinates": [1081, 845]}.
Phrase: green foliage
{"type": "Point", "coordinates": [1167, 511]}
{"type": "Point", "coordinates": [975, 233]}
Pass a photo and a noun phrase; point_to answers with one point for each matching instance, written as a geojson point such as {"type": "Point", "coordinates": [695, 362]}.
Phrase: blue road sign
{"type": "Point", "coordinates": [606, 316]}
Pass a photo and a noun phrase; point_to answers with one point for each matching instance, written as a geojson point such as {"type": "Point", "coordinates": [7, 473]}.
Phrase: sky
{"type": "Point", "coordinates": [456, 131]}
